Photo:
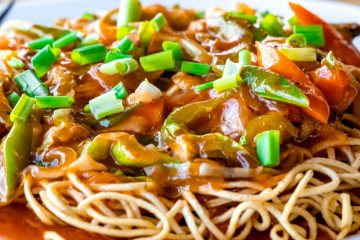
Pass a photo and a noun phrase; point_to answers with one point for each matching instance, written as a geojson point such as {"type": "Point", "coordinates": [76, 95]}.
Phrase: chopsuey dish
{"type": "Point", "coordinates": [149, 122]}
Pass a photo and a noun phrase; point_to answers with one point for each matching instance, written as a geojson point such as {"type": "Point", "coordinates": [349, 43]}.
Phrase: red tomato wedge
{"type": "Point", "coordinates": [270, 58]}
{"type": "Point", "coordinates": [334, 40]}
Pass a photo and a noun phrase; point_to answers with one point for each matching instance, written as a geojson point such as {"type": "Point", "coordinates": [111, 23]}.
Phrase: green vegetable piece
{"type": "Point", "coordinates": [130, 11]}
{"type": "Point", "coordinates": [240, 15]}
{"type": "Point", "coordinates": [268, 148]}
{"type": "Point", "coordinates": [296, 40]}
{"type": "Point", "coordinates": [314, 34]}
{"type": "Point", "coordinates": [14, 157]}
{"type": "Point", "coordinates": [271, 25]}
{"type": "Point", "coordinates": [273, 86]}
{"type": "Point", "coordinates": [43, 60]}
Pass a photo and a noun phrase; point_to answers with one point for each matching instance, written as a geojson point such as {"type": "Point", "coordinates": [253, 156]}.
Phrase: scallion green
{"type": "Point", "coordinates": [119, 66]}
{"type": "Point", "coordinates": [195, 68]}
{"type": "Point", "coordinates": [175, 47]}
{"type": "Point", "coordinates": [124, 45]}
{"type": "Point", "coordinates": [22, 109]}
{"type": "Point", "coordinates": [106, 105]}
{"type": "Point", "coordinates": [40, 43]}
{"type": "Point", "coordinates": [158, 22]}
{"type": "Point", "coordinates": [271, 25]}
{"type": "Point", "coordinates": [90, 39]}
{"type": "Point", "coordinates": [123, 31]}
{"type": "Point", "coordinates": [146, 31]}
{"type": "Point", "coordinates": [245, 57]}
{"type": "Point", "coordinates": [31, 84]}
{"type": "Point", "coordinates": [65, 40]}
{"type": "Point", "coordinates": [88, 16]}
{"type": "Point", "coordinates": [268, 148]}
{"type": "Point", "coordinates": [112, 55]}
{"type": "Point", "coordinates": [231, 68]}
{"type": "Point", "coordinates": [299, 54]}
{"type": "Point", "coordinates": [313, 33]}
{"type": "Point", "coordinates": [89, 54]}
{"type": "Point", "coordinates": [227, 82]}
{"type": "Point", "coordinates": [240, 15]}
{"type": "Point", "coordinates": [158, 61]}
{"type": "Point", "coordinates": [54, 101]}
{"type": "Point", "coordinates": [129, 11]}
{"type": "Point", "coordinates": [43, 60]}
{"type": "Point", "coordinates": [120, 91]}
{"type": "Point", "coordinates": [204, 86]}
{"type": "Point", "coordinates": [13, 98]}
{"type": "Point", "coordinates": [296, 40]}
{"type": "Point", "coordinates": [15, 63]}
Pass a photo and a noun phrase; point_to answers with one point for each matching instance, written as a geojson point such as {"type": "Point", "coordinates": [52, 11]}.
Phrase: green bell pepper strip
{"type": "Point", "coordinates": [268, 148]}
{"type": "Point", "coordinates": [273, 86]}
{"type": "Point", "coordinates": [212, 145]}
{"type": "Point", "coordinates": [14, 157]}
{"type": "Point", "coordinates": [125, 149]}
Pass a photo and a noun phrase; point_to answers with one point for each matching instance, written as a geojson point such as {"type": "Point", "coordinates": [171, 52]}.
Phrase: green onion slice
{"type": "Point", "coordinates": [227, 82]}
{"type": "Point", "coordinates": [268, 148]}
{"type": "Point", "coordinates": [296, 40]}
{"type": "Point", "coordinates": [313, 33]}
{"type": "Point", "coordinates": [120, 66]}
{"type": "Point", "coordinates": [271, 25]}
{"type": "Point", "coordinates": [89, 54]}
{"type": "Point", "coordinates": [15, 63]}
{"type": "Point", "coordinates": [31, 84]}
{"type": "Point", "coordinates": [195, 68]}
{"type": "Point", "coordinates": [112, 55]}
{"type": "Point", "coordinates": [299, 54]}
{"type": "Point", "coordinates": [43, 60]}
{"type": "Point", "coordinates": [54, 101]}
{"type": "Point", "coordinates": [175, 47]}
{"type": "Point", "coordinates": [240, 15]}
{"type": "Point", "coordinates": [204, 86]}
{"type": "Point", "coordinates": [65, 40]}
{"type": "Point", "coordinates": [106, 105]}
{"type": "Point", "coordinates": [158, 61]}
{"type": "Point", "coordinates": [22, 109]}
{"type": "Point", "coordinates": [158, 22]}
{"type": "Point", "coordinates": [245, 57]}
{"type": "Point", "coordinates": [13, 98]}
{"type": "Point", "coordinates": [40, 43]}
{"type": "Point", "coordinates": [129, 11]}
{"type": "Point", "coordinates": [124, 45]}
{"type": "Point", "coordinates": [90, 39]}
{"type": "Point", "coordinates": [146, 31]}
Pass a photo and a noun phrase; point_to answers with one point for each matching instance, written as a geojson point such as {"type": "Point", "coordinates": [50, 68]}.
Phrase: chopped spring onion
{"type": "Point", "coordinates": [112, 55]}
{"type": "Point", "coordinates": [158, 61]}
{"type": "Point", "coordinates": [296, 40]}
{"type": "Point", "coordinates": [22, 109]}
{"type": "Point", "coordinates": [13, 98]}
{"type": "Point", "coordinates": [90, 39]}
{"type": "Point", "coordinates": [313, 33]}
{"type": "Point", "coordinates": [40, 43]}
{"type": "Point", "coordinates": [175, 47]}
{"type": "Point", "coordinates": [43, 60]}
{"type": "Point", "coordinates": [271, 25]}
{"type": "Point", "coordinates": [15, 63]}
{"type": "Point", "coordinates": [88, 16]}
{"type": "Point", "coordinates": [65, 40]}
{"type": "Point", "coordinates": [89, 54]}
{"type": "Point", "coordinates": [204, 86]}
{"type": "Point", "coordinates": [54, 101]}
{"type": "Point", "coordinates": [299, 54]}
{"type": "Point", "coordinates": [195, 68]}
{"type": "Point", "coordinates": [119, 66]}
{"type": "Point", "coordinates": [245, 57]}
{"type": "Point", "coordinates": [31, 84]}
{"type": "Point", "coordinates": [200, 15]}
{"type": "Point", "coordinates": [87, 108]}
{"type": "Point", "coordinates": [124, 45]}
{"type": "Point", "coordinates": [249, 18]}
{"type": "Point", "coordinates": [268, 148]}
{"type": "Point", "coordinates": [158, 22]}
{"type": "Point", "coordinates": [146, 31]}
{"type": "Point", "coordinates": [230, 68]}
{"type": "Point", "coordinates": [292, 21]}
{"type": "Point", "coordinates": [129, 11]}
{"type": "Point", "coordinates": [191, 47]}
{"type": "Point", "coordinates": [227, 82]}
{"type": "Point", "coordinates": [106, 105]}
{"type": "Point", "coordinates": [123, 31]}
{"type": "Point", "coordinates": [120, 90]}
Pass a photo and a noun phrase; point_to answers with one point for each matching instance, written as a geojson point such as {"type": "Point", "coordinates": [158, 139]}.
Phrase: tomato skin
{"type": "Point", "coordinates": [273, 60]}
{"type": "Point", "coordinates": [333, 39]}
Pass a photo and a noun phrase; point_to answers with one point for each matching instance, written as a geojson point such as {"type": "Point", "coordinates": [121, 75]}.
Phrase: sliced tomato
{"type": "Point", "coordinates": [273, 60]}
{"type": "Point", "coordinates": [334, 40]}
